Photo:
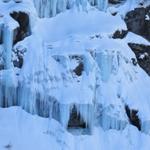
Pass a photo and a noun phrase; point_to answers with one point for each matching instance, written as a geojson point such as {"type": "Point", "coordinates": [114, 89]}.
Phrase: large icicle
{"type": "Point", "coordinates": [8, 42]}
{"type": "Point", "coordinates": [64, 114]}
{"type": "Point", "coordinates": [102, 4]}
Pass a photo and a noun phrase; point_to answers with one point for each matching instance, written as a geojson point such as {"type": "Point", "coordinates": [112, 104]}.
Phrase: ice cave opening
{"type": "Point", "coordinates": [24, 26]}
{"type": "Point", "coordinates": [76, 123]}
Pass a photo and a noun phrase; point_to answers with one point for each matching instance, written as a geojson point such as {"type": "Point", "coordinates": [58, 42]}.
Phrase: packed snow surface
{"type": "Point", "coordinates": [22, 131]}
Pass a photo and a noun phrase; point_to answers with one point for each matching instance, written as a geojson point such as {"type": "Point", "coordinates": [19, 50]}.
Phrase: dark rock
{"type": "Point", "coordinates": [139, 50]}
{"type": "Point", "coordinates": [115, 1]}
{"type": "Point", "coordinates": [120, 34]}
{"type": "Point", "coordinates": [18, 1]}
{"type": "Point", "coordinates": [133, 117]}
{"type": "Point", "coordinates": [79, 69]}
{"type": "Point", "coordinates": [114, 13]}
{"type": "Point", "coordinates": [24, 26]}
{"type": "Point", "coordinates": [134, 62]}
{"type": "Point", "coordinates": [8, 146]}
{"type": "Point", "coordinates": [137, 23]}
{"type": "Point", "coordinates": [18, 63]}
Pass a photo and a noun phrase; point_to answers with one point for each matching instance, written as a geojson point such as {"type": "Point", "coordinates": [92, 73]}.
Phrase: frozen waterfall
{"type": "Point", "coordinates": [49, 8]}
{"type": "Point", "coordinates": [73, 73]}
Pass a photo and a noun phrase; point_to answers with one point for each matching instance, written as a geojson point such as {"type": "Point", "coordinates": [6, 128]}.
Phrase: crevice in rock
{"type": "Point", "coordinates": [115, 1]}
{"type": "Point", "coordinates": [120, 34]}
{"type": "Point", "coordinates": [133, 117]}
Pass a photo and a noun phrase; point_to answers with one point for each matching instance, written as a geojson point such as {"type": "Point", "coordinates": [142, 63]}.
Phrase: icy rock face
{"type": "Point", "coordinates": [142, 53]}
{"type": "Point", "coordinates": [50, 8]}
{"type": "Point", "coordinates": [106, 118]}
{"type": "Point", "coordinates": [138, 21]}
{"type": "Point", "coordinates": [133, 117]}
{"type": "Point", "coordinates": [24, 26]}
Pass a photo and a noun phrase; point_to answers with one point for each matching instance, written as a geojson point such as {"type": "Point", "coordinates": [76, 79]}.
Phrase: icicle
{"type": "Point", "coordinates": [87, 113]}
{"type": "Point", "coordinates": [82, 3]}
{"type": "Point", "coordinates": [102, 4]}
{"type": "Point", "coordinates": [61, 5]}
{"type": "Point", "coordinates": [104, 61]}
{"type": "Point", "coordinates": [64, 114]}
{"type": "Point", "coordinates": [8, 42]}
{"type": "Point", "coordinates": [105, 122]}
{"type": "Point", "coordinates": [54, 7]}
{"type": "Point", "coordinates": [56, 111]}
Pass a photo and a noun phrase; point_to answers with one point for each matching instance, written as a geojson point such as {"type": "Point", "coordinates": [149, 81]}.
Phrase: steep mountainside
{"type": "Point", "coordinates": [74, 74]}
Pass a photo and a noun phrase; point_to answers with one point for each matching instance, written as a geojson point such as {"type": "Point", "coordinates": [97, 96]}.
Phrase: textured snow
{"type": "Point", "coordinates": [22, 131]}
{"type": "Point", "coordinates": [79, 23]}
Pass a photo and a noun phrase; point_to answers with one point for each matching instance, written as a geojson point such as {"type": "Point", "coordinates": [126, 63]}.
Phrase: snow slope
{"type": "Point", "coordinates": [23, 131]}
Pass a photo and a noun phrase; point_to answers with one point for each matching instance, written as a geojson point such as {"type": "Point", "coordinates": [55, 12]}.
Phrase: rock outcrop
{"type": "Point", "coordinates": [138, 21]}
{"type": "Point", "coordinates": [142, 53]}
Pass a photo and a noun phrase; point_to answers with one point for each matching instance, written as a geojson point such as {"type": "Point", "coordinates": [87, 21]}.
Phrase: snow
{"type": "Point", "coordinates": [47, 85]}
{"type": "Point", "coordinates": [134, 38]}
{"type": "Point", "coordinates": [80, 23]}
{"type": "Point", "coordinates": [24, 131]}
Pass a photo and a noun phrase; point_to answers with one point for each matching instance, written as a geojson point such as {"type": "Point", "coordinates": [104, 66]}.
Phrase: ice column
{"type": "Point", "coordinates": [102, 4]}
{"type": "Point", "coordinates": [8, 43]}
{"type": "Point", "coordinates": [8, 82]}
{"type": "Point", "coordinates": [104, 61]}
{"type": "Point", "coordinates": [64, 114]}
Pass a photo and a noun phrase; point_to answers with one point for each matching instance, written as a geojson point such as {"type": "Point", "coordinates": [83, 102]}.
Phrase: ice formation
{"type": "Point", "coordinates": [70, 66]}
{"type": "Point", "coordinates": [50, 8]}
